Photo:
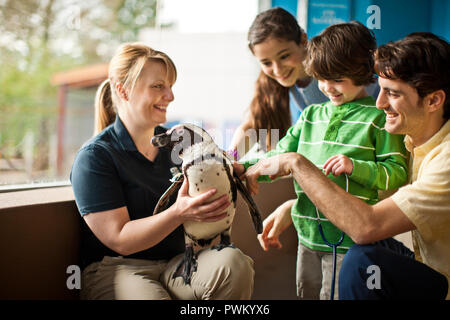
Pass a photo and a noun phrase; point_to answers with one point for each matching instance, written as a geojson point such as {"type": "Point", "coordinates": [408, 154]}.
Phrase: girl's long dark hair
{"type": "Point", "coordinates": [269, 108]}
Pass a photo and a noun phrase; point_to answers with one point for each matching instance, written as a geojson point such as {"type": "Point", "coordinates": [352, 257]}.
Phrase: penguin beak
{"type": "Point", "coordinates": [161, 140]}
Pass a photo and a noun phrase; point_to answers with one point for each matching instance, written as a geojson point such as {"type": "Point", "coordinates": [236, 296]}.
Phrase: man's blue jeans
{"type": "Point", "coordinates": [387, 270]}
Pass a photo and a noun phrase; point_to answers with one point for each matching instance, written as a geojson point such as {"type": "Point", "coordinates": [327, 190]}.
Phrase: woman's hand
{"type": "Point", "coordinates": [274, 225]}
{"type": "Point", "coordinates": [200, 208]}
{"type": "Point", "coordinates": [338, 165]}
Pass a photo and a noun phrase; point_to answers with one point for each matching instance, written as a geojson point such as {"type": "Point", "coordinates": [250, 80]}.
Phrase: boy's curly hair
{"type": "Point", "coordinates": [342, 50]}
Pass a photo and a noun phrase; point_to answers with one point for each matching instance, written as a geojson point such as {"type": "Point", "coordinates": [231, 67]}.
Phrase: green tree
{"type": "Point", "coordinates": [39, 38]}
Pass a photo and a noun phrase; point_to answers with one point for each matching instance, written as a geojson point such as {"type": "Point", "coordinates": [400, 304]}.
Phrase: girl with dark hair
{"type": "Point", "coordinates": [283, 88]}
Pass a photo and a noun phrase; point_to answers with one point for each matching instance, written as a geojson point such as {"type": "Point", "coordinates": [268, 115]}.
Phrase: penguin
{"type": "Point", "coordinates": [205, 166]}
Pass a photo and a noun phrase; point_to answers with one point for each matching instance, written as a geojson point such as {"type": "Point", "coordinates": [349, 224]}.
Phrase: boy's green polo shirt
{"type": "Point", "coordinates": [356, 130]}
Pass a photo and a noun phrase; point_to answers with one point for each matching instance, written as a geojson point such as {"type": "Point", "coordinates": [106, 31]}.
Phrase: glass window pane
{"type": "Point", "coordinates": [54, 54]}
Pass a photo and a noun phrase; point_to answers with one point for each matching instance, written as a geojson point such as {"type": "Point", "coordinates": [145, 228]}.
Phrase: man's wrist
{"type": "Point", "coordinates": [296, 162]}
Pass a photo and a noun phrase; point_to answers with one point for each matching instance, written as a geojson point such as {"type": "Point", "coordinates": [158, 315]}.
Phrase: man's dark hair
{"type": "Point", "coordinates": [422, 60]}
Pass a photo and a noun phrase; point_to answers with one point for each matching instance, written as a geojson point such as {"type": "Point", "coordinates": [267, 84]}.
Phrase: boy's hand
{"type": "Point", "coordinates": [338, 165]}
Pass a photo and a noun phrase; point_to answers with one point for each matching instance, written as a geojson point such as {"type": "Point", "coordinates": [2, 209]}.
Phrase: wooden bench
{"type": "Point", "coordinates": [41, 238]}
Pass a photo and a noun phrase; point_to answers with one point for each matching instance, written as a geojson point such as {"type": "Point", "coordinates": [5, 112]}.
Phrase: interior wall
{"type": "Point", "coordinates": [398, 18]}
{"type": "Point", "coordinates": [40, 241]}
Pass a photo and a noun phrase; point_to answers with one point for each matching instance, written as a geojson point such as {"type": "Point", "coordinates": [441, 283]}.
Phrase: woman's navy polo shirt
{"type": "Point", "coordinates": [108, 173]}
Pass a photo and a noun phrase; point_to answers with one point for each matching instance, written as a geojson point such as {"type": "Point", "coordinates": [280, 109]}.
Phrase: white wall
{"type": "Point", "coordinates": [216, 74]}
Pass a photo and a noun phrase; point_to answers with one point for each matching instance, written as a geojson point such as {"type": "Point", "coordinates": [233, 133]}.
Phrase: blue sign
{"type": "Point", "coordinates": [324, 13]}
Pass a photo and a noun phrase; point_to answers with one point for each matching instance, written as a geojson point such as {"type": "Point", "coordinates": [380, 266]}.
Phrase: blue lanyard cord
{"type": "Point", "coordinates": [334, 247]}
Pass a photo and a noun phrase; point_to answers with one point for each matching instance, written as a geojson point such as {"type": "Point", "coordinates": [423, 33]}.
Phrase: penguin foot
{"type": "Point", "coordinates": [224, 243]}
{"type": "Point", "coordinates": [221, 246]}
{"type": "Point", "coordinates": [187, 266]}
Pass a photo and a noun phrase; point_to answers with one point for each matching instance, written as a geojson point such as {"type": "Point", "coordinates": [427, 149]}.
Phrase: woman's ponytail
{"type": "Point", "coordinates": [105, 112]}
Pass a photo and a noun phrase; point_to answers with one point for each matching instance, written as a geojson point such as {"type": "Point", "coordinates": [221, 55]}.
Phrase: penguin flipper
{"type": "Point", "coordinates": [164, 200]}
{"type": "Point", "coordinates": [253, 209]}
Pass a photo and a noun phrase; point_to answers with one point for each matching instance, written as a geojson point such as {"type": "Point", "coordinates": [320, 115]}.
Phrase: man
{"type": "Point", "coordinates": [415, 95]}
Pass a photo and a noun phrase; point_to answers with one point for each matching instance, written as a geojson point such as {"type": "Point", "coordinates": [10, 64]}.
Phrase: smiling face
{"type": "Point", "coordinates": [342, 90]}
{"type": "Point", "coordinates": [281, 60]}
{"type": "Point", "coordinates": [404, 109]}
{"type": "Point", "coordinates": [151, 96]}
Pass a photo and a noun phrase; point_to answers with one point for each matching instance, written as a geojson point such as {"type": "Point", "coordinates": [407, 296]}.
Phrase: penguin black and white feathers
{"type": "Point", "coordinates": [205, 166]}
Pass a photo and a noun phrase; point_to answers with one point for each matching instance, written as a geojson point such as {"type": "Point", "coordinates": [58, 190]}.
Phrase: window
{"type": "Point", "coordinates": [53, 55]}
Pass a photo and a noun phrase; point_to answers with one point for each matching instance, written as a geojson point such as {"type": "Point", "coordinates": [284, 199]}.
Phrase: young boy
{"type": "Point", "coordinates": [346, 138]}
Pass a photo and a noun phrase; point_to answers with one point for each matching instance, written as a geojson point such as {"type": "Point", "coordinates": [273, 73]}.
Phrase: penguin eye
{"type": "Point", "coordinates": [180, 131]}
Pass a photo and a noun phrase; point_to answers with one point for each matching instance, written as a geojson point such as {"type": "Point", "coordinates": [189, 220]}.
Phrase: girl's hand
{"type": "Point", "coordinates": [274, 225]}
{"type": "Point", "coordinates": [338, 165]}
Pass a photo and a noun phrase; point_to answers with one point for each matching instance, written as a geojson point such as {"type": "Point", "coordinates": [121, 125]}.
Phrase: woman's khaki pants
{"type": "Point", "coordinates": [222, 275]}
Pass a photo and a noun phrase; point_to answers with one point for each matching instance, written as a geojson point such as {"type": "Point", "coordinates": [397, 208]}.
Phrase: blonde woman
{"type": "Point", "coordinates": [118, 177]}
